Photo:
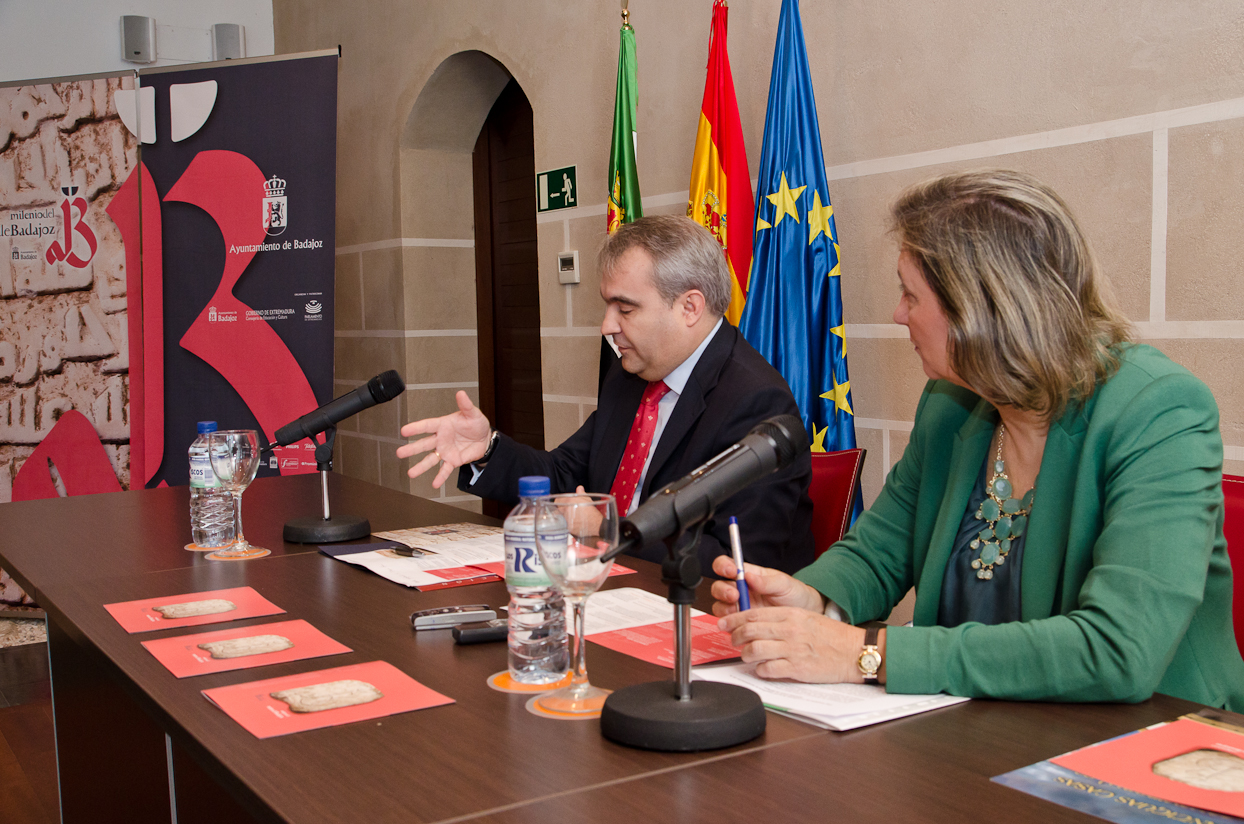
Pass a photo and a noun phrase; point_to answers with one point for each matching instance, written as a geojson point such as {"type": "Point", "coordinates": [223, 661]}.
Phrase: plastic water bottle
{"type": "Point", "coordinates": [537, 619]}
{"type": "Point", "coordinates": [211, 507]}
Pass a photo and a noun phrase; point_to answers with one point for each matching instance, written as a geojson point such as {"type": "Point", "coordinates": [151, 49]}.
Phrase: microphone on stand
{"type": "Point", "coordinates": [333, 528]}
{"type": "Point", "coordinates": [670, 715]}
{"type": "Point", "coordinates": [384, 387]}
{"type": "Point", "coordinates": [771, 445]}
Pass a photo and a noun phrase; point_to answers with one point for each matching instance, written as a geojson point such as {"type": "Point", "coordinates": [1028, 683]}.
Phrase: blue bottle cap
{"type": "Point", "coordinates": [206, 426]}
{"type": "Point", "coordinates": [529, 486]}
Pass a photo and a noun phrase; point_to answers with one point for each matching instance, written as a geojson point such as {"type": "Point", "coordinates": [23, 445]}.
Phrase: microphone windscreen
{"type": "Point", "coordinates": [386, 386]}
{"type": "Point", "coordinates": [787, 434]}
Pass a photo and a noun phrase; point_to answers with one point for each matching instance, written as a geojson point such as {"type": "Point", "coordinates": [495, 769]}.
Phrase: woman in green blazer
{"type": "Point", "coordinates": [1058, 507]}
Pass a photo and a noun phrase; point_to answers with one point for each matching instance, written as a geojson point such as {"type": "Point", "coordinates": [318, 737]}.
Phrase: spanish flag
{"type": "Point", "coordinates": [721, 188]}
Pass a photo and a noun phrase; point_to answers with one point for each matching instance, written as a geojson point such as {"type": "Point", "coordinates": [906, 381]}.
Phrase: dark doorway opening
{"type": "Point", "coordinates": [506, 272]}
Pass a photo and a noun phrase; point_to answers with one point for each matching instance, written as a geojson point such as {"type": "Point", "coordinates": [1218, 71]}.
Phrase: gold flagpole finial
{"type": "Point", "coordinates": [626, 14]}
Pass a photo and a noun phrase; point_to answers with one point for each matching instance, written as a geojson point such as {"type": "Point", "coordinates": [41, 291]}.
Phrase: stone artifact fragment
{"type": "Point", "coordinates": [193, 609]}
{"type": "Point", "coordinates": [330, 696]}
{"type": "Point", "coordinates": [241, 647]}
{"type": "Point", "coordinates": [1205, 769]}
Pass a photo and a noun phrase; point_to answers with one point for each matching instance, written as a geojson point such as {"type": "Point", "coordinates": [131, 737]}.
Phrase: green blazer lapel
{"type": "Point", "coordinates": [970, 445]}
{"type": "Point", "coordinates": [1045, 548]}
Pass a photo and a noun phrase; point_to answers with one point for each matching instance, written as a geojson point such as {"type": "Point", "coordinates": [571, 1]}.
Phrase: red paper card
{"type": "Point", "coordinates": [459, 577]}
{"type": "Point", "coordinates": [231, 649]}
{"type": "Point", "coordinates": [264, 716]}
{"type": "Point", "coordinates": [150, 614]}
{"type": "Point", "coordinates": [1129, 763]}
{"type": "Point", "coordinates": [654, 643]}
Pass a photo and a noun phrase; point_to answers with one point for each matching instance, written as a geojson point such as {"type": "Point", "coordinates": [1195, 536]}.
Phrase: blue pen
{"type": "Point", "coordinates": [736, 546]}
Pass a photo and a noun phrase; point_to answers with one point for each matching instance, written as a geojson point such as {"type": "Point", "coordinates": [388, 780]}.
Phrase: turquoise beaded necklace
{"type": "Point", "coordinates": [1005, 517]}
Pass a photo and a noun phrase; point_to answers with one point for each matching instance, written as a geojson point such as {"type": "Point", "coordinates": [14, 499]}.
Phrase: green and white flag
{"type": "Point", "coordinates": [624, 199]}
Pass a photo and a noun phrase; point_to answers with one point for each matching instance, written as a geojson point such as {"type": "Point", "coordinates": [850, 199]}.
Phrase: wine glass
{"type": "Point", "coordinates": [235, 460]}
{"type": "Point", "coordinates": [573, 531]}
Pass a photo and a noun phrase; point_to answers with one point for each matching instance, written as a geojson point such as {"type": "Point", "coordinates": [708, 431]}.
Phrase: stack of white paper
{"type": "Point", "coordinates": [832, 706]}
{"type": "Point", "coordinates": [455, 549]}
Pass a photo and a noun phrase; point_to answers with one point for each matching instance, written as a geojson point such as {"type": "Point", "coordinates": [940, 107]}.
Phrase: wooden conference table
{"type": "Point", "coordinates": [136, 744]}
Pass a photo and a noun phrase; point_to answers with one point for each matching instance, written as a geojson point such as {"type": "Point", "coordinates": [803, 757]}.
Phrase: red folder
{"type": "Point", "coordinates": [654, 643]}
{"type": "Point", "coordinates": [227, 649]}
{"type": "Point", "coordinates": [149, 614]}
{"type": "Point", "coordinates": [391, 691]}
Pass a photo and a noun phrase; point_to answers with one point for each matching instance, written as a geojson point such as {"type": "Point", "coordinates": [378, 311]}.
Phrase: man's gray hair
{"type": "Point", "coordinates": [684, 257]}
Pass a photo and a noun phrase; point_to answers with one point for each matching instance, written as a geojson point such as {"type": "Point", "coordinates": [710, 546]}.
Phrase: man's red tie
{"type": "Point", "coordinates": [626, 484]}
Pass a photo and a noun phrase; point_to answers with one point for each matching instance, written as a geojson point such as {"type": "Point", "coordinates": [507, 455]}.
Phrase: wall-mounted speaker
{"type": "Point", "coordinates": [228, 41]}
{"type": "Point", "coordinates": [138, 39]}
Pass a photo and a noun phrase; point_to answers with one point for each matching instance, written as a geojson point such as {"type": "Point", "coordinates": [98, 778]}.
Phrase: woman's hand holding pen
{"type": "Point", "coordinates": [785, 633]}
{"type": "Point", "coordinates": [768, 588]}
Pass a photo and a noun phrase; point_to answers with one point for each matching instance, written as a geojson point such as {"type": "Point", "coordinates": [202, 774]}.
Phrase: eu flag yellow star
{"type": "Point", "coordinates": [785, 200]}
{"type": "Point", "coordinates": [839, 395]}
{"type": "Point", "coordinates": [818, 218]}
{"type": "Point", "coordinates": [818, 438]}
{"type": "Point", "coordinates": [841, 331]}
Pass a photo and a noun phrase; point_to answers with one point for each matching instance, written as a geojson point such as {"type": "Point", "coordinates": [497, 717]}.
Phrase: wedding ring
{"type": "Point", "coordinates": [438, 456]}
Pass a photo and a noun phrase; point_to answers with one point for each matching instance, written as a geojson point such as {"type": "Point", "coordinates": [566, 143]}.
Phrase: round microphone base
{"type": "Point", "coordinates": [650, 716]}
{"type": "Point", "coordinates": [326, 530]}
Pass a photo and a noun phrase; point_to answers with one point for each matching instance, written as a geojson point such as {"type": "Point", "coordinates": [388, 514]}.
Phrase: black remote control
{"type": "Point", "coordinates": [480, 632]}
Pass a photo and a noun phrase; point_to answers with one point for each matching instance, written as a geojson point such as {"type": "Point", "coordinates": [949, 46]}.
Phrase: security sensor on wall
{"type": "Point", "coordinates": [228, 41]}
{"type": "Point", "coordinates": [138, 39]}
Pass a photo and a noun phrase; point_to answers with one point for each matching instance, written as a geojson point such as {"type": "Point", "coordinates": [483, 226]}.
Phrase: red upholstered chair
{"type": "Point", "coordinates": [1233, 528]}
{"type": "Point", "coordinates": [835, 477]}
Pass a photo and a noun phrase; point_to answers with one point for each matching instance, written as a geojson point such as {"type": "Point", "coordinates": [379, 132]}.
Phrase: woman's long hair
{"type": "Point", "coordinates": [1032, 321]}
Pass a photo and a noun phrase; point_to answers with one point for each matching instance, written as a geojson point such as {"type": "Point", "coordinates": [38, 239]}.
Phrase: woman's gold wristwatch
{"type": "Point", "coordinates": [870, 657]}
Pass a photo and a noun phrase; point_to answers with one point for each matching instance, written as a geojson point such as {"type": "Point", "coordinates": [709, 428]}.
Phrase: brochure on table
{"type": "Point", "coordinates": [1102, 799]}
{"type": "Point", "coordinates": [1188, 762]}
{"type": "Point", "coordinates": [325, 698]}
{"type": "Point", "coordinates": [449, 555]}
{"type": "Point", "coordinates": [1187, 770]}
{"type": "Point", "coordinates": [242, 648]}
{"type": "Point", "coordinates": [191, 609]}
{"type": "Point", "coordinates": [641, 624]}
{"type": "Point", "coordinates": [838, 707]}
{"type": "Point", "coordinates": [445, 555]}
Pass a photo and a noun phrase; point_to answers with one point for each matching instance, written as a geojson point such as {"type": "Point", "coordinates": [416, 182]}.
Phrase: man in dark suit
{"type": "Point", "coordinates": [699, 385]}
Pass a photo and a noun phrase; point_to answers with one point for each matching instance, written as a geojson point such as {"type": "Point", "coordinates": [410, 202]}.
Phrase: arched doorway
{"type": "Point", "coordinates": [469, 259]}
{"type": "Point", "coordinates": [506, 268]}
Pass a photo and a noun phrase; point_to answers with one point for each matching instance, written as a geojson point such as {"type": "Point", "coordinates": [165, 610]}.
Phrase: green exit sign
{"type": "Point", "coordinates": [557, 189]}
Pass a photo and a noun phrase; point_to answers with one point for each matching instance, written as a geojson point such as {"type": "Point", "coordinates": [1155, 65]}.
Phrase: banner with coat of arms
{"type": "Point", "coordinates": [241, 166]}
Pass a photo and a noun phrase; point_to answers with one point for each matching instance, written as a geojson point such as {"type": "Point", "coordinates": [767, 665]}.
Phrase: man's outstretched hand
{"type": "Point", "coordinates": [453, 440]}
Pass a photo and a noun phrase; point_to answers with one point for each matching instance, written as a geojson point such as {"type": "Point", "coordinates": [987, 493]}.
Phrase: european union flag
{"type": "Point", "coordinates": [793, 314]}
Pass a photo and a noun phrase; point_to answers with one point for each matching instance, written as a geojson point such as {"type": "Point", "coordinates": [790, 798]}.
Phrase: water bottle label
{"type": "Point", "coordinates": [201, 474]}
{"type": "Point", "coordinates": [522, 562]}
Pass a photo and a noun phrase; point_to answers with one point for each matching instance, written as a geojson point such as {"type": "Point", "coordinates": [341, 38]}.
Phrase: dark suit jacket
{"type": "Point", "coordinates": [731, 389]}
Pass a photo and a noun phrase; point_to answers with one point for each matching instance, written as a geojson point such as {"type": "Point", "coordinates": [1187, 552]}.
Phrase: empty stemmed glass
{"type": "Point", "coordinates": [572, 533]}
{"type": "Point", "coordinates": [235, 460]}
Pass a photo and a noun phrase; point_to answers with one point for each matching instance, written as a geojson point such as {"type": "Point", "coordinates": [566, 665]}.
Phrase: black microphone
{"type": "Point", "coordinates": [384, 387]}
{"type": "Point", "coordinates": [771, 445]}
